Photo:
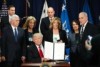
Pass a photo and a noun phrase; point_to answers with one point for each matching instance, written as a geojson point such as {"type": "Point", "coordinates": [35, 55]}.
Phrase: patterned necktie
{"type": "Point", "coordinates": [40, 52]}
{"type": "Point", "coordinates": [15, 34]}
{"type": "Point", "coordinates": [81, 32]}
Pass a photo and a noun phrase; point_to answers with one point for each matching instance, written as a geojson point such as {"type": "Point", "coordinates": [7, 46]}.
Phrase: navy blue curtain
{"type": "Point", "coordinates": [73, 6]}
{"type": "Point", "coordinates": [0, 3]}
{"type": "Point", "coordinates": [95, 10]}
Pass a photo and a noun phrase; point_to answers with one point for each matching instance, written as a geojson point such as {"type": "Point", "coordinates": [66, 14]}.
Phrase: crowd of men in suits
{"type": "Point", "coordinates": [14, 49]}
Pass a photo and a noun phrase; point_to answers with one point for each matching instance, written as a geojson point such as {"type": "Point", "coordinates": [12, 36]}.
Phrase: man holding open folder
{"type": "Point", "coordinates": [35, 50]}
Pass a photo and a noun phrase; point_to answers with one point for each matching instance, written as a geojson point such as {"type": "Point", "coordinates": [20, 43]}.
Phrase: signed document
{"type": "Point", "coordinates": [54, 51]}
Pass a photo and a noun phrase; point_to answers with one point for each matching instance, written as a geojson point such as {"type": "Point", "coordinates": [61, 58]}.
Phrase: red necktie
{"type": "Point", "coordinates": [41, 53]}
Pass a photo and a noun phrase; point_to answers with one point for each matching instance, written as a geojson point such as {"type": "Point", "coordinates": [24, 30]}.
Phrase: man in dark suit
{"type": "Point", "coordinates": [86, 30]}
{"type": "Point", "coordinates": [5, 20]}
{"type": "Point", "coordinates": [13, 44]}
{"type": "Point", "coordinates": [0, 49]}
{"type": "Point", "coordinates": [46, 21]}
{"type": "Point", "coordinates": [94, 48]}
{"type": "Point", "coordinates": [35, 51]}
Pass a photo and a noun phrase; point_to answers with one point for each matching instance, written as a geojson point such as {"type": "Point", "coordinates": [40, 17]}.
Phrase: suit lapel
{"type": "Point", "coordinates": [47, 22]}
{"type": "Point", "coordinates": [48, 19]}
{"type": "Point", "coordinates": [19, 33]}
{"type": "Point", "coordinates": [35, 50]}
{"type": "Point", "coordinates": [85, 30]}
{"type": "Point", "coordinates": [51, 35]}
{"type": "Point", "coordinates": [12, 33]}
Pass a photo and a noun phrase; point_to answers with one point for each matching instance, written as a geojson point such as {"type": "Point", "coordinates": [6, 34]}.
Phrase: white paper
{"type": "Point", "coordinates": [48, 50]}
{"type": "Point", "coordinates": [54, 51]}
{"type": "Point", "coordinates": [59, 51]}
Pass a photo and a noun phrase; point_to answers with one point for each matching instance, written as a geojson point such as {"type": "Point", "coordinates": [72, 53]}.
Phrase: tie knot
{"type": "Point", "coordinates": [82, 26]}
{"type": "Point", "coordinates": [39, 46]}
{"type": "Point", "coordinates": [15, 28]}
{"type": "Point", "coordinates": [51, 19]}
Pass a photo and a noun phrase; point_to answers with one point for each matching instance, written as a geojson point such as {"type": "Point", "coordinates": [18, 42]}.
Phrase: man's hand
{"type": "Point", "coordinates": [59, 41]}
{"type": "Point", "coordinates": [23, 58]}
{"type": "Point", "coordinates": [3, 58]}
{"type": "Point", "coordinates": [88, 46]}
{"type": "Point", "coordinates": [45, 59]}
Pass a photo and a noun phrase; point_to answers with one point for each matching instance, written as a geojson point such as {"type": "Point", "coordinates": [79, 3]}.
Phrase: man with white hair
{"type": "Point", "coordinates": [35, 51]}
{"type": "Point", "coordinates": [13, 44]}
{"type": "Point", "coordinates": [87, 30]}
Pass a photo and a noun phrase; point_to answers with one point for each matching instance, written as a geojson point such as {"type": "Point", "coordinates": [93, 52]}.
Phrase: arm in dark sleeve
{"type": "Point", "coordinates": [64, 38]}
{"type": "Point", "coordinates": [3, 42]}
{"type": "Point", "coordinates": [32, 56]}
{"type": "Point", "coordinates": [23, 45]}
{"type": "Point", "coordinates": [42, 26]}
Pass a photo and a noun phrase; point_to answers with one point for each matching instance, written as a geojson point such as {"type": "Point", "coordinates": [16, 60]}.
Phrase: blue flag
{"type": "Point", "coordinates": [87, 10]}
{"type": "Point", "coordinates": [64, 18]}
{"type": "Point", "coordinates": [65, 26]}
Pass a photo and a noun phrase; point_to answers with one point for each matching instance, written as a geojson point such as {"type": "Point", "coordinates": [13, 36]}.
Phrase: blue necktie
{"type": "Point", "coordinates": [15, 34]}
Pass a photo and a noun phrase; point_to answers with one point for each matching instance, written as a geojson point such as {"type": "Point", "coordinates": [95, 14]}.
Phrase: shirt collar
{"type": "Point", "coordinates": [85, 24]}
{"type": "Point", "coordinates": [40, 47]}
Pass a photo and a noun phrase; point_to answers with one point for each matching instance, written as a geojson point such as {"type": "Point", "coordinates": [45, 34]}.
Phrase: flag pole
{"type": "Point", "coordinates": [4, 1]}
{"type": "Point", "coordinates": [26, 9]}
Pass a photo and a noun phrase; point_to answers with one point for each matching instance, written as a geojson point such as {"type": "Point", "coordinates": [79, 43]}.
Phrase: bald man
{"type": "Point", "coordinates": [87, 29]}
{"type": "Point", "coordinates": [46, 21]}
{"type": "Point", "coordinates": [13, 44]}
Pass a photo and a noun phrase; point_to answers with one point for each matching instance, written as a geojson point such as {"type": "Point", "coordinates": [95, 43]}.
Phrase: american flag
{"type": "Point", "coordinates": [4, 10]}
{"type": "Point", "coordinates": [44, 13]}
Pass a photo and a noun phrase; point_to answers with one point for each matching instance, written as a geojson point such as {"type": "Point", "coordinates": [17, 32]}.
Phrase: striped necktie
{"type": "Point", "coordinates": [81, 32]}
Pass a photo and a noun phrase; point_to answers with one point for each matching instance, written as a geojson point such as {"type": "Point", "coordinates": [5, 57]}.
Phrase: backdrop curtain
{"type": "Point", "coordinates": [73, 7]}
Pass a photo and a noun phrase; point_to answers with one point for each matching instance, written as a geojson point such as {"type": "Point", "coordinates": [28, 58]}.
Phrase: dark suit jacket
{"type": "Point", "coordinates": [12, 49]}
{"type": "Point", "coordinates": [49, 36]}
{"type": "Point", "coordinates": [84, 54]}
{"type": "Point", "coordinates": [44, 25]}
{"type": "Point", "coordinates": [95, 59]}
{"type": "Point", "coordinates": [33, 54]}
{"type": "Point", "coordinates": [91, 30]}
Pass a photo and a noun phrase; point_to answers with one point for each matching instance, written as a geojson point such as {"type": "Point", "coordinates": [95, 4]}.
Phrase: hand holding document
{"type": "Point", "coordinates": [88, 43]}
{"type": "Point", "coordinates": [45, 59]}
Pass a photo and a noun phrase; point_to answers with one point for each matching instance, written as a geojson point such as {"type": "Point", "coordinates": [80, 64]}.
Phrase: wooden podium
{"type": "Point", "coordinates": [47, 64]}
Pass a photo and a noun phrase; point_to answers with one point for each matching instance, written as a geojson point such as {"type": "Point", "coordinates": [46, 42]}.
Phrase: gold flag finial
{"type": "Point", "coordinates": [4, 1]}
